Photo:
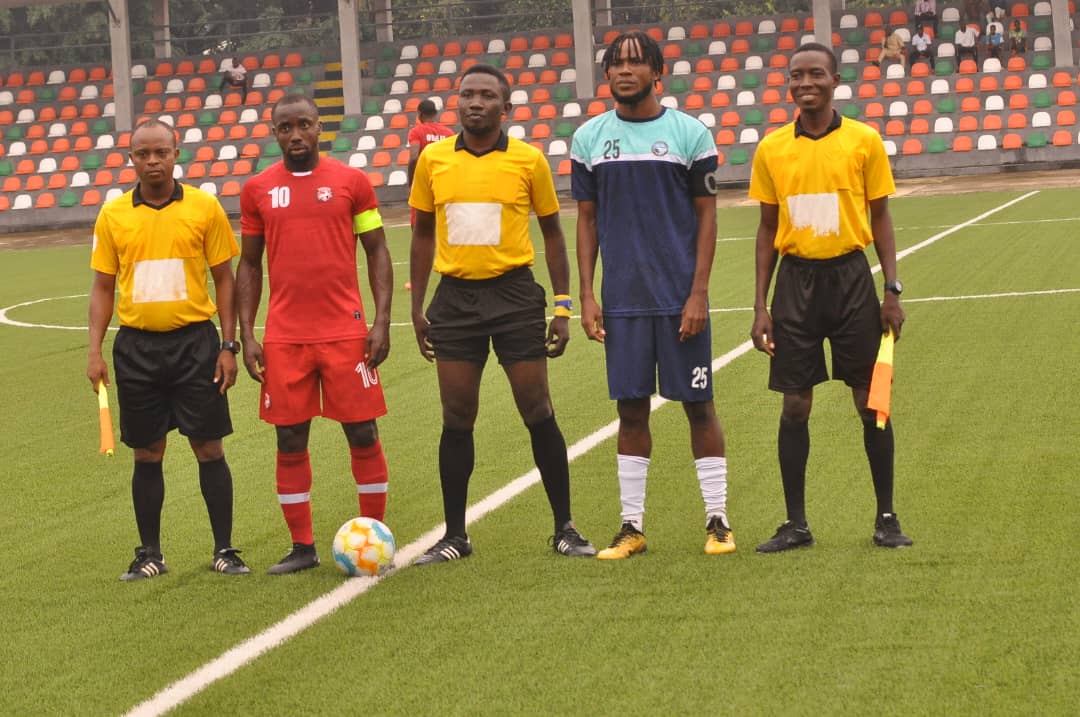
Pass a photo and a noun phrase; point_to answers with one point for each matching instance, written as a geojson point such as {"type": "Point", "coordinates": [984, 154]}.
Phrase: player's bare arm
{"type": "Point", "coordinates": [225, 291]}
{"type": "Point", "coordinates": [558, 265]}
{"type": "Point", "coordinates": [249, 276]}
{"type": "Point", "coordinates": [102, 293]}
{"type": "Point", "coordinates": [695, 312]}
{"type": "Point", "coordinates": [414, 155]}
{"type": "Point", "coordinates": [892, 314]}
{"type": "Point", "coordinates": [381, 278]}
{"type": "Point", "coordinates": [421, 257]}
{"type": "Point", "coordinates": [588, 249]}
{"type": "Point", "coordinates": [761, 332]}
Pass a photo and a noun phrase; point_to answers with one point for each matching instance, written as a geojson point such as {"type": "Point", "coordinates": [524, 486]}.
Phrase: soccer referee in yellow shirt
{"type": "Point", "coordinates": [823, 182]}
{"type": "Point", "coordinates": [472, 194]}
{"type": "Point", "coordinates": [154, 243]}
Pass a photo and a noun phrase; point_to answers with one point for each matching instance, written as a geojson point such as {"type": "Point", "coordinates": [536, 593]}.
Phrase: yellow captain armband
{"type": "Point", "coordinates": [366, 221]}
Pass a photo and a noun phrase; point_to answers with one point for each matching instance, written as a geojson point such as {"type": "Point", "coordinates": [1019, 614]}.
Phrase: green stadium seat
{"type": "Point", "coordinates": [751, 81]}
{"type": "Point", "coordinates": [69, 199]}
{"type": "Point", "coordinates": [304, 77]}
{"type": "Point", "coordinates": [564, 129]}
{"type": "Point", "coordinates": [341, 144]}
{"type": "Point", "coordinates": [384, 72]}
{"type": "Point", "coordinates": [14, 133]}
{"type": "Point", "coordinates": [264, 162]}
{"type": "Point", "coordinates": [943, 67]}
{"type": "Point", "coordinates": [388, 53]}
{"type": "Point", "coordinates": [271, 149]}
{"type": "Point", "coordinates": [207, 119]}
{"type": "Point", "coordinates": [184, 156]}
{"type": "Point", "coordinates": [856, 38]}
{"type": "Point", "coordinates": [214, 82]}
{"type": "Point", "coordinates": [1036, 139]}
{"type": "Point", "coordinates": [1042, 100]}
{"type": "Point", "coordinates": [850, 111]}
{"type": "Point", "coordinates": [496, 60]}
{"type": "Point", "coordinates": [678, 86]}
{"type": "Point", "coordinates": [371, 107]}
{"type": "Point", "coordinates": [754, 117]}
{"type": "Point", "coordinates": [946, 106]}
{"type": "Point", "coordinates": [137, 87]}
{"type": "Point", "coordinates": [937, 145]}
{"type": "Point", "coordinates": [100, 126]}
{"type": "Point", "coordinates": [948, 30]}
{"type": "Point", "coordinates": [315, 58]}
{"type": "Point", "coordinates": [46, 94]}
{"type": "Point", "coordinates": [1041, 25]}
{"type": "Point", "coordinates": [5, 168]}
{"type": "Point", "coordinates": [738, 156]}
{"type": "Point", "coordinates": [1042, 61]}
{"type": "Point", "coordinates": [91, 162]}
{"type": "Point", "coordinates": [377, 89]}
{"type": "Point", "coordinates": [848, 74]}
{"type": "Point", "coordinates": [693, 49]}
{"type": "Point", "coordinates": [764, 43]}
{"type": "Point", "coordinates": [349, 124]}
{"type": "Point", "coordinates": [563, 93]}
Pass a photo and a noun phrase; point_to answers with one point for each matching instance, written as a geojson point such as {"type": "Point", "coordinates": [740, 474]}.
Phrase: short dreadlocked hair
{"type": "Point", "coordinates": [647, 48]}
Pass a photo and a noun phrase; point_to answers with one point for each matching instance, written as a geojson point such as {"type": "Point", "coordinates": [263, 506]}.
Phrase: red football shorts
{"type": "Point", "coordinates": [324, 379]}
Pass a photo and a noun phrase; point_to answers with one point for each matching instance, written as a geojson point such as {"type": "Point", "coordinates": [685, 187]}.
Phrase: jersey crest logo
{"type": "Point", "coordinates": [660, 148]}
{"type": "Point", "coordinates": [324, 194]}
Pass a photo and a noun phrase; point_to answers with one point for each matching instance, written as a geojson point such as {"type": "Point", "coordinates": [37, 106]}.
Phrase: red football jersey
{"type": "Point", "coordinates": [306, 219]}
{"type": "Point", "coordinates": [425, 133]}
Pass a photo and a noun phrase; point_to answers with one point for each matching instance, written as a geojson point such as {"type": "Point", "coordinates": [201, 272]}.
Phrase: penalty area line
{"type": "Point", "coordinates": [247, 651]}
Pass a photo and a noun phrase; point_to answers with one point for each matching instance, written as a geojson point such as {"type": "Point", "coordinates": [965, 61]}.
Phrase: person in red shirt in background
{"type": "Point", "coordinates": [426, 131]}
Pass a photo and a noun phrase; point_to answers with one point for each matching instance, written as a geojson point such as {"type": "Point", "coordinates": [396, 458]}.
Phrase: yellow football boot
{"type": "Point", "coordinates": [721, 540]}
{"type": "Point", "coordinates": [627, 542]}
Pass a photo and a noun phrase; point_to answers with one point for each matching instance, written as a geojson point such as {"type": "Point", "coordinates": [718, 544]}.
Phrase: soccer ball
{"type": "Point", "coordinates": [363, 546]}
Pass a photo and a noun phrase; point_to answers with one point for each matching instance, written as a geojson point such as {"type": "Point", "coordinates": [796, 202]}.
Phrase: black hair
{"type": "Point", "coordinates": [494, 72]}
{"type": "Point", "coordinates": [818, 47]}
{"type": "Point", "coordinates": [426, 108]}
{"type": "Point", "coordinates": [295, 98]}
{"type": "Point", "coordinates": [151, 122]}
{"type": "Point", "coordinates": [648, 50]}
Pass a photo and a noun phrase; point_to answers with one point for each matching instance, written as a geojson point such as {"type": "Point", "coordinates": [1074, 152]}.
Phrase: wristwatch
{"type": "Point", "coordinates": [896, 286]}
{"type": "Point", "coordinates": [233, 346]}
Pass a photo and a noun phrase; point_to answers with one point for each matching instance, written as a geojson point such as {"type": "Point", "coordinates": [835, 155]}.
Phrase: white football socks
{"type": "Point", "coordinates": [633, 471]}
{"type": "Point", "coordinates": [712, 475]}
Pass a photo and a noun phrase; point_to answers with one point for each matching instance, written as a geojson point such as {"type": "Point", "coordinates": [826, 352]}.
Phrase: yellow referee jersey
{"type": "Point", "coordinates": [481, 204]}
{"type": "Point", "coordinates": [160, 256]}
{"type": "Point", "coordinates": [822, 186]}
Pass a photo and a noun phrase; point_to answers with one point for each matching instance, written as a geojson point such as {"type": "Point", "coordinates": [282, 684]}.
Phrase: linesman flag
{"type": "Point", "coordinates": [881, 380]}
{"type": "Point", "coordinates": [108, 445]}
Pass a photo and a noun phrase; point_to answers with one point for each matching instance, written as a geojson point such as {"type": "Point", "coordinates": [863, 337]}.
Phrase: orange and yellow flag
{"type": "Point", "coordinates": [881, 381]}
{"type": "Point", "coordinates": [108, 445]}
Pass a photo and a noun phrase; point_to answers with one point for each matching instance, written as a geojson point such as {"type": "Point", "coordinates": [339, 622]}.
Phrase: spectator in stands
{"type": "Point", "coordinates": [234, 74]}
{"type": "Point", "coordinates": [1017, 39]}
{"type": "Point", "coordinates": [975, 11]}
{"type": "Point", "coordinates": [926, 12]}
{"type": "Point", "coordinates": [921, 47]}
{"type": "Point", "coordinates": [995, 40]}
{"type": "Point", "coordinates": [892, 48]}
{"type": "Point", "coordinates": [966, 42]}
{"type": "Point", "coordinates": [426, 131]}
{"type": "Point", "coordinates": [997, 10]}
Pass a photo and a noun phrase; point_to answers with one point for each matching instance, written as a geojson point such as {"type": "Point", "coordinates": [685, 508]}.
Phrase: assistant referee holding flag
{"type": "Point", "coordinates": [154, 244]}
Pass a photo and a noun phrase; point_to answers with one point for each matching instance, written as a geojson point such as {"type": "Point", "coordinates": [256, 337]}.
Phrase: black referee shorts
{"type": "Point", "coordinates": [508, 310]}
{"type": "Point", "coordinates": [165, 380]}
{"type": "Point", "coordinates": [818, 299]}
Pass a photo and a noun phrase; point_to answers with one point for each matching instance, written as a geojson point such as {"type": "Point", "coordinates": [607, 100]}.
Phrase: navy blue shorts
{"type": "Point", "coordinates": [165, 380]}
{"type": "Point", "coordinates": [814, 300]}
{"type": "Point", "coordinates": [638, 348]}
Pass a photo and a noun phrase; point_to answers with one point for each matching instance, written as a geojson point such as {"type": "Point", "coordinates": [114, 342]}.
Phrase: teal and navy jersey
{"type": "Point", "coordinates": [644, 176]}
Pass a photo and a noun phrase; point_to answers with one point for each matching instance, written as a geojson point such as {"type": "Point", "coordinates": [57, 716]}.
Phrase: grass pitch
{"type": "Point", "coordinates": [980, 616]}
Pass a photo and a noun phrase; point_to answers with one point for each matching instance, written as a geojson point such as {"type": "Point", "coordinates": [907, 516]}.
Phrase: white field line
{"type": "Point", "coordinates": [250, 649]}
